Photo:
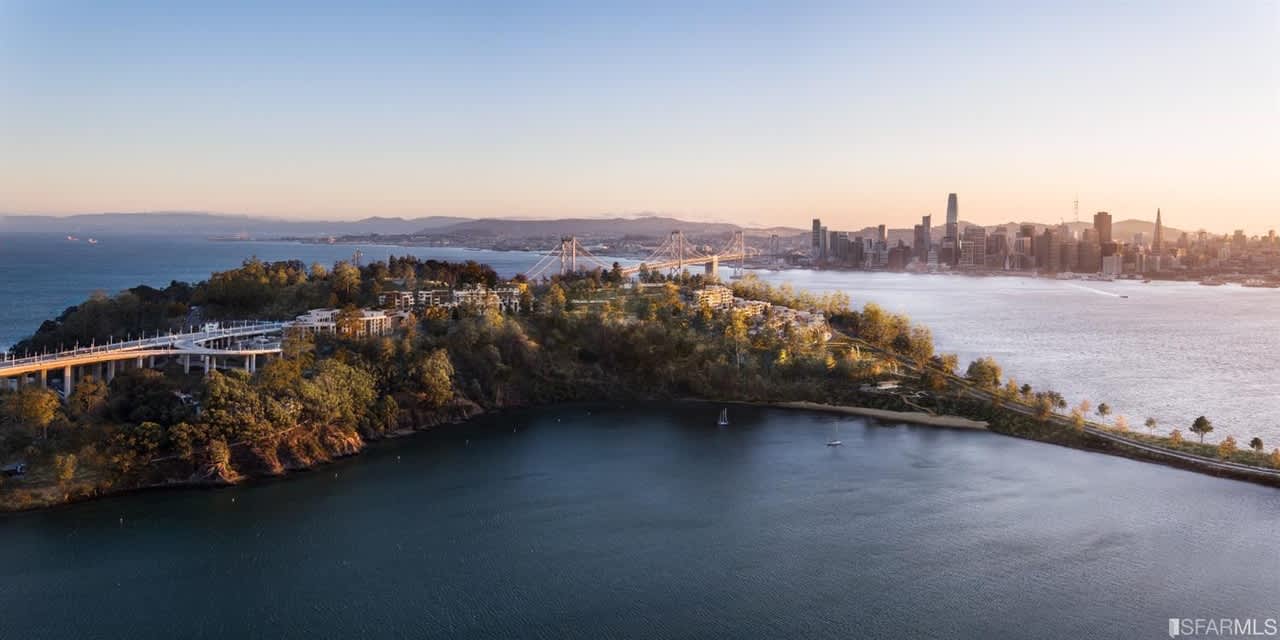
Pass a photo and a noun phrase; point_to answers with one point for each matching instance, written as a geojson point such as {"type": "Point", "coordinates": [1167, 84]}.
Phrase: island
{"type": "Point", "coordinates": [275, 367]}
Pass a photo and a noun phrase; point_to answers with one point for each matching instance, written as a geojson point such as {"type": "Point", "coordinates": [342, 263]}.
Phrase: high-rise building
{"type": "Point", "coordinates": [1157, 242]}
{"type": "Point", "coordinates": [973, 251]}
{"type": "Point", "coordinates": [923, 239]}
{"type": "Point", "coordinates": [824, 239]}
{"type": "Point", "coordinates": [816, 248]}
{"type": "Point", "coordinates": [1048, 251]}
{"type": "Point", "coordinates": [1102, 223]}
{"type": "Point", "coordinates": [952, 231]}
{"type": "Point", "coordinates": [953, 216]}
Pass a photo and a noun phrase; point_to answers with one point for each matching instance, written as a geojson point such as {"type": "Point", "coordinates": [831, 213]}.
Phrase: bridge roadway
{"type": "Point", "coordinates": [226, 341]}
{"type": "Point", "coordinates": [679, 264]}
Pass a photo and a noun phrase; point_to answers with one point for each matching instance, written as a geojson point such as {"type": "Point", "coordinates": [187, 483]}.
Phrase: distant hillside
{"type": "Point", "coordinates": [1121, 230]}
{"type": "Point", "coordinates": [209, 224]}
{"type": "Point", "coordinates": [591, 228]}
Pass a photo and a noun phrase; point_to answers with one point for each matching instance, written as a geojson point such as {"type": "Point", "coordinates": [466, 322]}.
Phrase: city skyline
{"type": "Point", "coordinates": [765, 115]}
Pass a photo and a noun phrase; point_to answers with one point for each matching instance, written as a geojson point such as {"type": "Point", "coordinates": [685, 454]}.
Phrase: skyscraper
{"type": "Point", "coordinates": [953, 216]}
{"type": "Point", "coordinates": [1102, 223]}
{"type": "Point", "coordinates": [923, 239]}
{"type": "Point", "coordinates": [951, 236]}
{"type": "Point", "coordinates": [1157, 242]}
{"type": "Point", "coordinates": [973, 253]}
{"type": "Point", "coordinates": [816, 249]}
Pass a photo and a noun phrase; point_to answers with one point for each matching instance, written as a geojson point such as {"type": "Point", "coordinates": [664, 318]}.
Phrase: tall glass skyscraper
{"type": "Point", "coordinates": [953, 217]}
{"type": "Point", "coordinates": [950, 253]}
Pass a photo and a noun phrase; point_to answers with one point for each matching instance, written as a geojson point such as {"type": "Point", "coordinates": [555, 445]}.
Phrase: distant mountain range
{"type": "Point", "coordinates": [213, 224]}
{"type": "Point", "coordinates": [592, 228]}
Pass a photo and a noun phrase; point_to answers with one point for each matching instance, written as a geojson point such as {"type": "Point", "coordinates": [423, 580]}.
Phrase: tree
{"type": "Point", "coordinates": [1275, 458]}
{"type": "Point", "coordinates": [1175, 437]}
{"type": "Point", "coordinates": [1150, 423]}
{"type": "Point", "coordinates": [346, 282]}
{"type": "Point", "coordinates": [88, 399]}
{"type": "Point", "coordinates": [219, 452]}
{"type": "Point", "coordinates": [1084, 407]}
{"type": "Point", "coordinates": [1077, 420]}
{"type": "Point", "coordinates": [1226, 447]}
{"type": "Point", "coordinates": [1044, 408]}
{"type": "Point", "coordinates": [921, 345]}
{"type": "Point", "coordinates": [433, 376]}
{"type": "Point", "coordinates": [1121, 424]}
{"type": "Point", "coordinates": [1256, 445]}
{"type": "Point", "coordinates": [34, 407]}
{"type": "Point", "coordinates": [64, 467]}
{"type": "Point", "coordinates": [1104, 409]}
{"type": "Point", "coordinates": [1201, 427]}
{"type": "Point", "coordinates": [948, 363]}
{"type": "Point", "coordinates": [555, 299]}
{"type": "Point", "coordinates": [984, 372]}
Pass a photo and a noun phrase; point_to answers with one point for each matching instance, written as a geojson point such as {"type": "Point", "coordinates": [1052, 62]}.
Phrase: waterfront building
{"type": "Point", "coordinates": [715, 296]}
{"type": "Point", "coordinates": [1112, 265]}
{"type": "Point", "coordinates": [1069, 255]}
{"type": "Point", "coordinates": [922, 241]}
{"type": "Point", "coordinates": [816, 246]}
{"type": "Point", "coordinates": [396, 299]}
{"type": "Point", "coordinates": [503, 298]}
{"type": "Point", "coordinates": [1102, 224]}
{"type": "Point", "coordinates": [973, 250]}
{"type": "Point", "coordinates": [1048, 251]}
{"type": "Point", "coordinates": [359, 324]}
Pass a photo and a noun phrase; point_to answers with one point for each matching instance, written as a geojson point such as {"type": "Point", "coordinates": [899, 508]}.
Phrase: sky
{"type": "Point", "coordinates": [759, 113]}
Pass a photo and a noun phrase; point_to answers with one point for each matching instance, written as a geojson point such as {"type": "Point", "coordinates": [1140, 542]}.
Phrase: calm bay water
{"type": "Point", "coordinates": [592, 523]}
{"type": "Point", "coordinates": [1172, 351]}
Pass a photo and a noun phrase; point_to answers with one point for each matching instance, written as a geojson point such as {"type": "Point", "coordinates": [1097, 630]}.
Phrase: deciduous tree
{"type": "Point", "coordinates": [1201, 427]}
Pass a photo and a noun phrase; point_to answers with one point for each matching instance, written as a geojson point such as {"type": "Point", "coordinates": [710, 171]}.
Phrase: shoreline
{"type": "Point", "coordinates": [909, 417]}
{"type": "Point", "coordinates": [1093, 444]}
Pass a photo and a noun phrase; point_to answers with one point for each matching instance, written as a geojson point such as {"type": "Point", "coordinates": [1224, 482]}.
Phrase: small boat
{"type": "Point", "coordinates": [72, 239]}
{"type": "Point", "coordinates": [835, 431]}
{"type": "Point", "coordinates": [93, 241]}
{"type": "Point", "coordinates": [724, 418]}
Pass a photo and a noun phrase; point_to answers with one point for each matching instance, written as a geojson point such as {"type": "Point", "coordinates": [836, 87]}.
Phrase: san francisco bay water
{"type": "Point", "coordinates": [600, 522]}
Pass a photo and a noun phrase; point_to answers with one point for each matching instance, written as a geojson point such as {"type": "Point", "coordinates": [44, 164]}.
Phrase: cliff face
{"type": "Point", "coordinates": [306, 449]}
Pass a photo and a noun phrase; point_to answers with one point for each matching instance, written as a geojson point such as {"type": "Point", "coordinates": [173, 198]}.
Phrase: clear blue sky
{"type": "Point", "coordinates": [757, 112]}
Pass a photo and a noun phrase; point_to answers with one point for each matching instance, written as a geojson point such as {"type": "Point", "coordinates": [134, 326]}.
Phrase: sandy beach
{"type": "Point", "coordinates": [913, 417]}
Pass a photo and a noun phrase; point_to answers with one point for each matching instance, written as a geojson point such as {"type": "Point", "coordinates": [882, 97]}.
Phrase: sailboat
{"type": "Point", "coordinates": [835, 431]}
{"type": "Point", "coordinates": [724, 418]}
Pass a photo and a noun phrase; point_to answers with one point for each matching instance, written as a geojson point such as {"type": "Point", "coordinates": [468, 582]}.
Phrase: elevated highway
{"type": "Point", "coordinates": [210, 347]}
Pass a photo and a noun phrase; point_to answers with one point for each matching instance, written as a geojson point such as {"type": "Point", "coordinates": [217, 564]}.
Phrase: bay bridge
{"type": "Point", "coordinates": [211, 347]}
{"type": "Point", "coordinates": [674, 255]}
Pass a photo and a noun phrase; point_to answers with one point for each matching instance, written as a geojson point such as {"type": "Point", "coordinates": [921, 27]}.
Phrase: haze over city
{"type": "Point", "coordinates": [759, 114]}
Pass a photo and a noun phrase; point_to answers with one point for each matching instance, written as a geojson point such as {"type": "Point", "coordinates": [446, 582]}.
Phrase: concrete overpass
{"type": "Point", "coordinates": [208, 348]}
